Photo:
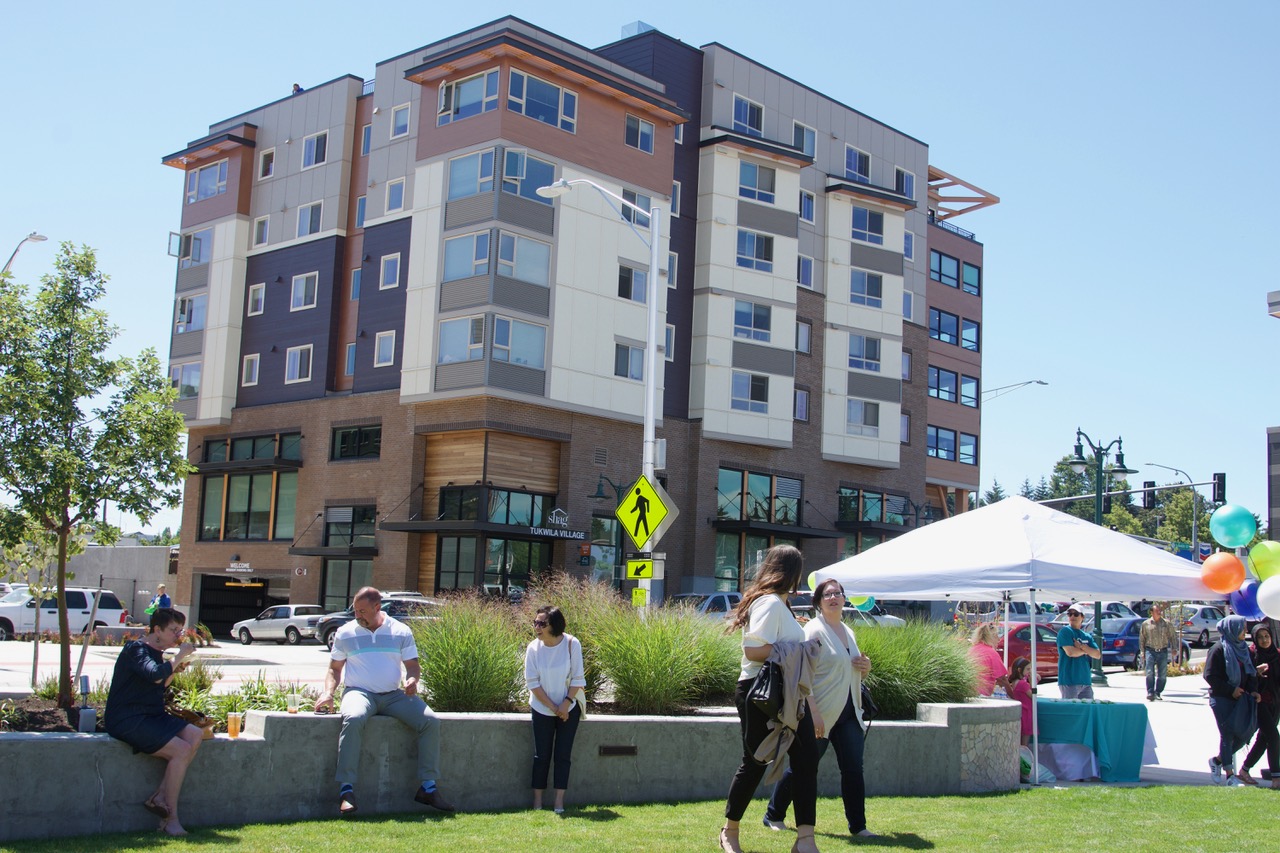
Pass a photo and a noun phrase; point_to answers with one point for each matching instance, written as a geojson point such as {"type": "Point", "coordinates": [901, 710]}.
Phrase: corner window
{"type": "Point", "coordinates": [461, 340]}
{"type": "Point", "coordinates": [543, 101]}
{"type": "Point", "coordinates": [315, 149]}
{"type": "Point", "coordinates": [363, 442]}
{"type": "Point", "coordinates": [862, 418]}
{"type": "Point", "coordinates": [206, 182]}
{"type": "Point", "coordinates": [801, 412]}
{"type": "Point", "coordinates": [628, 362]}
{"type": "Point", "coordinates": [639, 134]}
{"type": "Point", "coordinates": [384, 349]}
{"type": "Point", "coordinates": [868, 225]}
{"type": "Point", "coordinates": [400, 121]}
{"type": "Point", "coordinates": [471, 174]}
{"type": "Point", "coordinates": [517, 342]}
{"type": "Point", "coordinates": [309, 218]}
{"type": "Point", "coordinates": [968, 454]}
{"type": "Point", "coordinates": [390, 272]}
{"type": "Point", "coordinates": [857, 165]}
{"type": "Point", "coordinates": [297, 365]}
{"type": "Point", "coordinates": [756, 182]}
{"type": "Point", "coordinates": [752, 321]}
{"type": "Point", "coordinates": [969, 391]}
{"type": "Point", "coordinates": [804, 138]}
{"type": "Point", "coordinates": [969, 334]}
{"type": "Point", "coordinates": [972, 280]}
{"type": "Point", "coordinates": [522, 175]}
{"type": "Point", "coordinates": [755, 251]}
{"type": "Point", "coordinates": [191, 313]}
{"type": "Point", "coordinates": [632, 284]}
{"type": "Point", "coordinates": [524, 259]}
{"type": "Point", "coordinates": [748, 117]}
{"type": "Point", "coordinates": [864, 352]}
{"type": "Point", "coordinates": [267, 163]}
{"type": "Point", "coordinates": [749, 392]}
{"type": "Point", "coordinates": [261, 227]}
{"type": "Point", "coordinates": [807, 204]}
{"type": "Point", "coordinates": [466, 256]}
{"type": "Point", "coordinates": [866, 288]}
{"type": "Point", "coordinates": [196, 248]}
{"type": "Point", "coordinates": [395, 195]}
{"type": "Point", "coordinates": [804, 271]}
{"type": "Point", "coordinates": [249, 370]}
{"type": "Point", "coordinates": [257, 299]}
{"type": "Point", "coordinates": [904, 183]}
{"type": "Point", "coordinates": [303, 292]}
{"type": "Point", "coordinates": [468, 97]}
{"type": "Point", "coordinates": [186, 378]}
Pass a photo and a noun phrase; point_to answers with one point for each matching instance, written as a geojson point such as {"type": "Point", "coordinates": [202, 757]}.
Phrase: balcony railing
{"type": "Point", "coordinates": [947, 226]}
{"type": "Point", "coordinates": [368, 88]}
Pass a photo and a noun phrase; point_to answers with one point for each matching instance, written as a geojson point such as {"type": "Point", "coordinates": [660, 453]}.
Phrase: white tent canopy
{"type": "Point", "coordinates": [1011, 548]}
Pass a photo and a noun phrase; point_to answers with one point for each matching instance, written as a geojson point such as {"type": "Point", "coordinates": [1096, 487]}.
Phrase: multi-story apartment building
{"type": "Point", "coordinates": [401, 365]}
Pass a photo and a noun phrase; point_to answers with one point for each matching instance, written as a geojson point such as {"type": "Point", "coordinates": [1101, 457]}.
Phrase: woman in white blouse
{"type": "Point", "coordinates": [553, 674]}
{"type": "Point", "coordinates": [766, 619]}
{"type": "Point", "coordinates": [836, 704]}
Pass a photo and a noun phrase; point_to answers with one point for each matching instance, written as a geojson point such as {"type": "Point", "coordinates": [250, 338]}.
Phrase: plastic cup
{"type": "Point", "coordinates": [233, 724]}
{"type": "Point", "coordinates": [293, 699]}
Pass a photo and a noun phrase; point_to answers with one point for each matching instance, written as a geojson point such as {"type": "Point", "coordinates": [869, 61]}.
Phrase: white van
{"type": "Point", "coordinates": [18, 611]}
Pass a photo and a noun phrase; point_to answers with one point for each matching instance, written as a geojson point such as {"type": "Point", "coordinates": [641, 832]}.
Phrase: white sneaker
{"type": "Point", "coordinates": [775, 825]}
{"type": "Point", "coordinates": [1233, 782]}
{"type": "Point", "coordinates": [1215, 770]}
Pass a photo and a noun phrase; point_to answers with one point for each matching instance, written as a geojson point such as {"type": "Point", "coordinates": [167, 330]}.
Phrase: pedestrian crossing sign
{"type": "Point", "coordinates": [646, 512]}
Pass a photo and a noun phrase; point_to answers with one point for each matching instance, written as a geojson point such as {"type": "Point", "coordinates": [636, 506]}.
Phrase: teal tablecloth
{"type": "Point", "coordinates": [1115, 732]}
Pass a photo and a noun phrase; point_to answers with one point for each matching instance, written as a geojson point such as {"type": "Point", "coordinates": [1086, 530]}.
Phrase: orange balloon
{"type": "Point", "coordinates": [1223, 573]}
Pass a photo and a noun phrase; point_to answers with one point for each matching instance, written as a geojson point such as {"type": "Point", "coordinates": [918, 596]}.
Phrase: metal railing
{"type": "Point", "coordinates": [368, 87]}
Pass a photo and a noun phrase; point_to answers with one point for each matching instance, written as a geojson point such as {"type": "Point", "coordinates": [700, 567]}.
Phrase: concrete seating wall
{"type": "Point", "coordinates": [282, 767]}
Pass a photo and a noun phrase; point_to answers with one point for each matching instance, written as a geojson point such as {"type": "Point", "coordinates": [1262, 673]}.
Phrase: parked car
{"type": "Point", "coordinates": [1120, 643]}
{"type": "Point", "coordinates": [18, 611]}
{"type": "Point", "coordinates": [1198, 622]}
{"type": "Point", "coordinates": [713, 605]}
{"type": "Point", "coordinates": [414, 607]}
{"type": "Point", "coordinates": [872, 618]}
{"type": "Point", "coordinates": [284, 623]}
{"type": "Point", "coordinates": [1019, 642]}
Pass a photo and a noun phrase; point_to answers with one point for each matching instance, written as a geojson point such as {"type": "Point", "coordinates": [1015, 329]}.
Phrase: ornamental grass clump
{"type": "Point", "coordinates": [719, 659]}
{"type": "Point", "coordinates": [588, 607]}
{"type": "Point", "coordinates": [918, 662]}
{"type": "Point", "coordinates": [654, 663]}
{"type": "Point", "coordinates": [472, 656]}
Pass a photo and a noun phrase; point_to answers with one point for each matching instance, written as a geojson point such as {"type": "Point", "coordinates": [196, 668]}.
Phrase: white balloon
{"type": "Point", "coordinates": [1269, 596]}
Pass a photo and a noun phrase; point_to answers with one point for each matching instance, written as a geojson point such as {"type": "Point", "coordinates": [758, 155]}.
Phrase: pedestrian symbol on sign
{"type": "Point", "coordinates": [641, 511]}
{"type": "Point", "coordinates": [646, 512]}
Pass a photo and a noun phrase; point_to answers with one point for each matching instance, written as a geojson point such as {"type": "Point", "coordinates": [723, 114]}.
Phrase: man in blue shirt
{"type": "Point", "coordinates": [1075, 647]}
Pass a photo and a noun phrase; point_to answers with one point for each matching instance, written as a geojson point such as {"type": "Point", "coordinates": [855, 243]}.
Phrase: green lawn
{"type": "Point", "coordinates": [1076, 819]}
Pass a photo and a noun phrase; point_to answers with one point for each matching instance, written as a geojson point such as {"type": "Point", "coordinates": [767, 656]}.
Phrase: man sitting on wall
{"type": "Point", "coordinates": [370, 650]}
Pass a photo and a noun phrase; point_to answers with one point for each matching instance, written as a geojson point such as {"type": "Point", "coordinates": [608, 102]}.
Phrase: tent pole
{"type": "Point", "coordinates": [1035, 716]}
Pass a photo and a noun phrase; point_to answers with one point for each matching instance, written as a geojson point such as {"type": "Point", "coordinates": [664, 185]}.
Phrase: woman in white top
{"type": "Point", "coordinates": [837, 717]}
{"type": "Point", "coordinates": [553, 673]}
{"type": "Point", "coordinates": [766, 619]}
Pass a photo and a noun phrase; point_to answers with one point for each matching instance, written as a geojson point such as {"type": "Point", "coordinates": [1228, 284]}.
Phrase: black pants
{"type": "Point", "coordinates": [845, 737]}
{"type": "Point", "coordinates": [1268, 740]}
{"type": "Point", "coordinates": [547, 731]}
{"type": "Point", "coordinates": [803, 756]}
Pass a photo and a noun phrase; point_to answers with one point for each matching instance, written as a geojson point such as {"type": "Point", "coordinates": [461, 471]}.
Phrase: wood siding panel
{"type": "Point", "coordinates": [516, 460]}
{"type": "Point", "coordinates": [427, 563]}
{"type": "Point", "coordinates": [456, 457]}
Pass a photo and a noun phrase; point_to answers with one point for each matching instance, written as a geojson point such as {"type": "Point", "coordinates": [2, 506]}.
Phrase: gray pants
{"type": "Point", "coordinates": [359, 705]}
{"type": "Point", "coordinates": [1157, 664]}
{"type": "Point", "coordinates": [1076, 691]}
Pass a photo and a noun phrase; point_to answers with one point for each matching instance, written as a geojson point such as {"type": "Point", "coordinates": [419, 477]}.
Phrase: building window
{"type": "Point", "coordinates": [315, 149]}
{"type": "Point", "coordinates": [752, 321]}
{"type": "Point", "coordinates": [261, 227]}
{"type": "Point", "coordinates": [669, 343]}
{"type": "Point", "coordinates": [191, 313]}
{"type": "Point", "coordinates": [801, 405]}
{"type": "Point", "coordinates": [944, 268]}
{"type": "Point", "coordinates": [968, 449]}
{"type": "Point", "coordinates": [469, 97]}
{"type": "Point", "coordinates": [749, 392]}
{"type": "Point", "coordinates": [309, 218]}
{"type": "Point", "coordinates": [400, 121]}
{"type": "Point", "coordinates": [390, 272]}
{"type": "Point", "coordinates": [908, 246]}
{"type": "Point", "coordinates": [206, 182]}
{"type": "Point", "coordinates": [804, 336]}
{"type": "Point", "coordinates": [756, 182]}
{"type": "Point", "coordinates": [944, 327]}
{"type": "Point", "coordinates": [628, 362]}
{"type": "Point", "coordinates": [632, 284]}
{"type": "Point", "coordinates": [350, 526]}
{"type": "Point", "coordinates": [972, 279]}
{"type": "Point", "coordinates": [807, 202]}
{"type": "Point", "coordinates": [673, 267]}
{"type": "Point", "coordinates": [360, 209]}
{"type": "Point", "coordinates": [748, 116]}
{"type": "Point", "coordinates": [904, 422]}
{"type": "Point", "coordinates": [249, 500]}
{"type": "Point", "coordinates": [524, 259]}
{"type": "Point", "coordinates": [969, 334]}
{"type": "Point", "coordinates": [395, 195]}
{"type": "Point", "coordinates": [942, 384]}
{"type": "Point", "coordinates": [639, 134]}
{"type": "Point", "coordinates": [471, 175]}
{"type": "Point", "coordinates": [969, 391]}
{"type": "Point", "coordinates": [679, 134]}
{"type": "Point", "coordinates": [904, 183]}
{"type": "Point", "coordinates": [868, 225]}
{"type": "Point", "coordinates": [755, 251]}
{"type": "Point", "coordinates": [675, 199]}
{"type": "Point", "coordinates": [196, 248]}
{"type": "Point", "coordinates": [349, 369]}
{"type": "Point", "coordinates": [522, 175]}
{"type": "Point", "coordinates": [752, 496]}
{"type": "Point", "coordinates": [864, 352]}
{"type": "Point", "coordinates": [640, 200]}
{"type": "Point", "coordinates": [543, 101]}
{"type": "Point", "coordinates": [267, 163]}
{"type": "Point", "coordinates": [866, 288]}
{"type": "Point", "coordinates": [303, 292]}
{"type": "Point", "coordinates": [804, 138]}
{"type": "Point", "coordinates": [249, 370]}
{"type": "Point", "coordinates": [366, 140]}
{"type": "Point", "coordinates": [804, 271]}
{"type": "Point", "coordinates": [360, 442]}
{"type": "Point", "coordinates": [342, 579]}
{"type": "Point", "coordinates": [941, 442]}
{"type": "Point", "coordinates": [857, 165]}
{"type": "Point", "coordinates": [906, 365]}
{"type": "Point", "coordinates": [257, 299]}
{"type": "Point", "coordinates": [461, 340]}
{"type": "Point", "coordinates": [186, 378]}
{"type": "Point", "coordinates": [908, 305]}
{"type": "Point", "coordinates": [517, 342]}
{"type": "Point", "coordinates": [355, 284]}
{"type": "Point", "coordinates": [466, 256]}
{"type": "Point", "coordinates": [384, 349]}
{"type": "Point", "coordinates": [297, 364]}
{"type": "Point", "coordinates": [862, 418]}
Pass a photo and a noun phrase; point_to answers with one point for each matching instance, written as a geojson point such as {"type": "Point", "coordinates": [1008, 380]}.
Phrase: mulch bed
{"type": "Point", "coordinates": [37, 715]}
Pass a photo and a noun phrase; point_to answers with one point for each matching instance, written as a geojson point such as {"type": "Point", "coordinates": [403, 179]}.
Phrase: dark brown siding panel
{"type": "Point", "coordinates": [522, 296]}
{"type": "Point", "coordinates": [771, 220]}
{"type": "Point", "coordinates": [464, 293]}
{"type": "Point", "coordinates": [870, 258]}
{"type": "Point", "coordinates": [779, 362]}
{"type": "Point", "coordinates": [875, 387]}
{"type": "Point", "coordinates": [381, 310]}
{"type": "Point", "coordinates": [513, 377]}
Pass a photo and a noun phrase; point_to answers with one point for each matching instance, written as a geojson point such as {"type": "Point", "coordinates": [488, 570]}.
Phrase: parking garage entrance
{"type": "Point", "coordinates": [226, 600]}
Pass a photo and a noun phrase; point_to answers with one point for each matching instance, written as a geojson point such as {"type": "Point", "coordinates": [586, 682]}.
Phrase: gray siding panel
{"type": "Point", "coordinates": [462, 374]}
{"type": "Point", "coordinates": [881, 260]}
{"type": "Point", "coordinates": [186, 344]}
{"type": "Point", "coordinates": [514, 377]}
{"type": "Point", "coordinates": [186, 408]}
{"type": "Point", "coordinates": [468, 211]}
{"type": "Point", "coordinates": [521, 296]}
{"type": "Point", "coordinates": [525, 213]}
{"type": "Point", "coordinates": [760, 217]}
{"type": "Point", "coordinates": [464, 293]}
{"type": "Point", "coordinates": [193, 278]}
{"type": "Point", "coordinates": [867, 387]}
{"type": "Point", "coordinates": [758, 359]}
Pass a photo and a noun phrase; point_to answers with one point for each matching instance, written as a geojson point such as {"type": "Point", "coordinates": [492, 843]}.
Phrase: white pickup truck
{"type": "Point", "coordinates": [18, 611]}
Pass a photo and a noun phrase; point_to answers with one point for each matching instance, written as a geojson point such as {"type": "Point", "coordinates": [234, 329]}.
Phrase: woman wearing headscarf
{"type": "Point", "coordinates": [1266, 660]}
{"type": "Point", "coordinates": [1232, 679]}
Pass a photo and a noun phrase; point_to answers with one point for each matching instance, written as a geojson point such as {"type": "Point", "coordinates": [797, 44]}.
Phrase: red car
{"type": "Point", "coordinates": [1020, 646]}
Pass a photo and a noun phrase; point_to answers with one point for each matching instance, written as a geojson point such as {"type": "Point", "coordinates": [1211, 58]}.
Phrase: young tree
{"type": "Point", "coordinates": [995, 494]}
{"type": "Point", "coordinates": [58, 462]}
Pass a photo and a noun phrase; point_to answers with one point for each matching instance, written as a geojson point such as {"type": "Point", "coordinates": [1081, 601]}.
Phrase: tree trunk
{"type": "Point", "coordinates": [64, 624]}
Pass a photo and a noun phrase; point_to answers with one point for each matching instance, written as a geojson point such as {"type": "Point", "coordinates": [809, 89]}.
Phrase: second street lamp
{"type": "Point", "coordinates": [1080, 464]}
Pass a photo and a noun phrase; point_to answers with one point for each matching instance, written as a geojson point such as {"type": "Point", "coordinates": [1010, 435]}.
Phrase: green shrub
{"type": "Point", "coordinates": [472, 656]}
{"type": "Point", "coordinates": [588, 608]}
{"type": "Point", "coordinates": [655, 663]}
{"type": "Point", "coordinates": [918, 662]}
{"type": "Point", "coordinates": [47, 688]}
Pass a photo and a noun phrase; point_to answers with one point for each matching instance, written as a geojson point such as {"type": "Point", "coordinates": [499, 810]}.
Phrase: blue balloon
{"type": "Point", "coordinates": [1245, 601]}
{"type": "Point", "coordinates": [1232, 526]}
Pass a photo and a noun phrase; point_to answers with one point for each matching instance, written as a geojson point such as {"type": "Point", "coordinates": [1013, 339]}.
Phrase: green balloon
{"type": "Point", "coordinates": [813, 580]}
{"type": "Point", "coordinates": [858, 600]}
{"type": "Point", "coordinates": [1265, 557]}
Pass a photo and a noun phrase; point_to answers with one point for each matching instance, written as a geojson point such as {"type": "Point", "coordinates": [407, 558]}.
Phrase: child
{"type": "Point", "coordinates": [1020, 678]}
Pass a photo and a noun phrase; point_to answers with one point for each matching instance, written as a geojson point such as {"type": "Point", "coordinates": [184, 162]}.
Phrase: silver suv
{"type": "Point", "coordinates": [18, 611]}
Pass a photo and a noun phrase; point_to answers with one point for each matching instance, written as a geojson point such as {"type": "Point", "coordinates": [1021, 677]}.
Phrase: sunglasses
{"type": "Point", "coordinates": [540, 623]}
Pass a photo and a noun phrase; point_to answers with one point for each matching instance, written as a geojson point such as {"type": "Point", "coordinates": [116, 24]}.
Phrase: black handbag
{"type": "Point", "coordinates": [869, 708]}
{"type": "Point", "coordinates": [766, 691]}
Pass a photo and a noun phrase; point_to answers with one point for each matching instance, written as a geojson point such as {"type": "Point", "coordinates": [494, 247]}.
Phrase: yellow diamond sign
{"type": "Point", "coordinates": [646, 512]}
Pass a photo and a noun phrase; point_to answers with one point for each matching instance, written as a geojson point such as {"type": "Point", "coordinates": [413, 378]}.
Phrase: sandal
{"type": "Point", "coordinates": [1245, 778]}
{"type": "Point", "coordinates": [156, 809]}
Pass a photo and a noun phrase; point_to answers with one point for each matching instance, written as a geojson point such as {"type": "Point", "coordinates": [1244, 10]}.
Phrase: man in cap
{"type": "Point", "coordinates": [1075, 647]}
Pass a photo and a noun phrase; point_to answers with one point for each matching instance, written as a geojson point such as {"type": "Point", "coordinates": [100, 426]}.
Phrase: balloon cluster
{"type": "Point", "coordinates": [1234, 526]}
{"type": "Point", "coordinates": [862, 602]}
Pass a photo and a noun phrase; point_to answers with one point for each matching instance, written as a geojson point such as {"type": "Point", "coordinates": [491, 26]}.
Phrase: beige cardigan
{"type": "Point", "coordinates": [797, 661]}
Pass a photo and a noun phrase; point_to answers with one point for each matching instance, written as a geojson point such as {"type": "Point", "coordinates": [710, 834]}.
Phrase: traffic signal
{"type": "Point", "coordinates": [1148, 494]}
{"type": "Point", "coordinates": [1219, 488]}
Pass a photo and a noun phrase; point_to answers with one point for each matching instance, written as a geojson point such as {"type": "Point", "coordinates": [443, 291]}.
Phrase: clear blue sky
{"type": "Point", "coordinates": [1127, 142]}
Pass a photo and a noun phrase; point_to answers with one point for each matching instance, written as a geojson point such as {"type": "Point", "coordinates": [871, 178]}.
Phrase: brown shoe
{"type": "Point", "coordinates": [347, 804]}
{"type": "Point", "coordinates": [433, 799]}
{"type": "Point", "coordinates": [1245, 778]}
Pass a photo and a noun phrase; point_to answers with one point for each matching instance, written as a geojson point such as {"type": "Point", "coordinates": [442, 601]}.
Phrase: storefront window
{"type": "Point", "coordinates": [342, 580]}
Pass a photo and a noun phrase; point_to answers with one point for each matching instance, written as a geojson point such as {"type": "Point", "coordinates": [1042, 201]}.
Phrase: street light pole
{"type": "Point", "coordinates": [33, 237]}
{"type": "Point", "coordinates": [992, 393]}
{"type": "Point", "coordinates": [1079, 464]}
{"type": "Point", "coordinates": [1195, 509]}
